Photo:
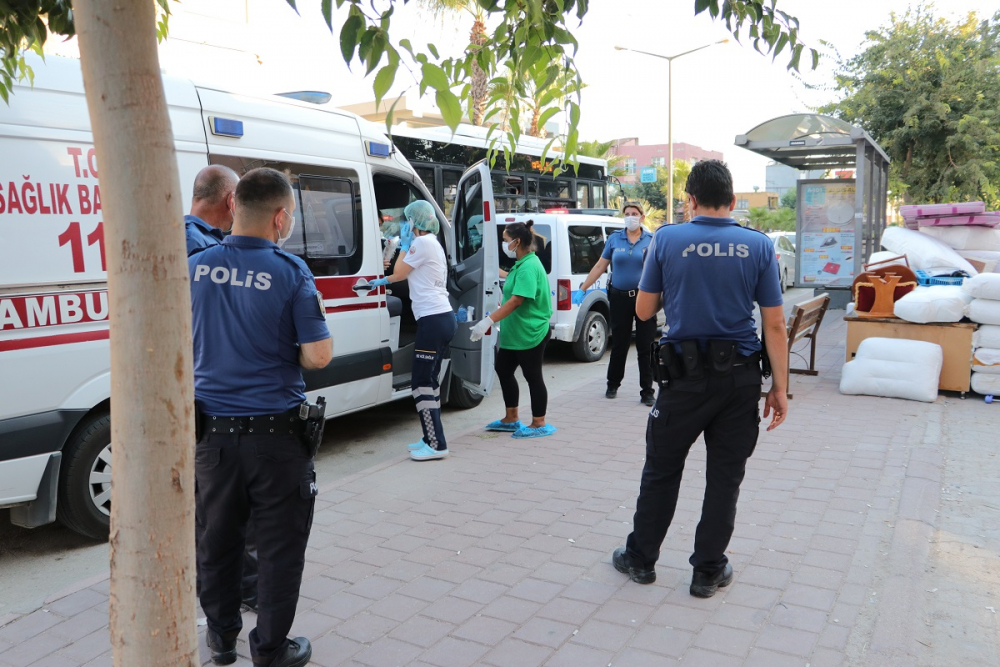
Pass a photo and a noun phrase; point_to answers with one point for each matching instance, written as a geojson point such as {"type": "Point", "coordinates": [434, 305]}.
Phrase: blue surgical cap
{"type": "Point", "coordinates": [421, 214]}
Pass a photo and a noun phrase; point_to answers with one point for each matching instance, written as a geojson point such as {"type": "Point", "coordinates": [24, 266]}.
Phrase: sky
{"type": "Point", "coordinates": [718, 93]}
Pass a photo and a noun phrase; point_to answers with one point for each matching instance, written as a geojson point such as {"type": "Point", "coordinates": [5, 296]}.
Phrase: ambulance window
{"type": "Point", "coordinates": [469, 217]}
{"type": "Point", "coordinates": [585, 247]}
{"type": "Point", "coordinates": [330, 216]}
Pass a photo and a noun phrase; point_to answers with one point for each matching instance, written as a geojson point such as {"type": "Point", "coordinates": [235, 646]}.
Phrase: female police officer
{"type": "Point", "coordinates": [625, 252]}
{"type": "Point", "coordinates": [257, 322]}
{"type": "Point", "coordinates": [707, 274]}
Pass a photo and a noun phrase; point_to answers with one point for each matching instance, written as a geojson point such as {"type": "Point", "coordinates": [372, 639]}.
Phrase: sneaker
{"type": "Point", "coordinates": [612, 392]}
{"type": "Point", "coordinates": [705, 585]}
{"type": "Point", "coordinates": [419, 444]}
{"type": "Point", "coordinates": [223, 652]}
{"type": "Point", "coordinates": [504, 427]}
{"type": "Point", "coordinates": [624, 564]}
{"type": "Point", "coordinates": [428, 453]}
{"type": "Point", "coordinates": [648, 398]}
{"type": "Point", "coordinates": [539, 432]}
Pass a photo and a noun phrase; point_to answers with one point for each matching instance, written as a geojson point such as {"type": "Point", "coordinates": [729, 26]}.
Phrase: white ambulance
{"type": "Point", "coordinates": [55, 387]}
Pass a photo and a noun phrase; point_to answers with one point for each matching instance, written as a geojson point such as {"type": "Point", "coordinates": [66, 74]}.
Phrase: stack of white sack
{"type": "Point", "coordinates": [979, 245]}
{"type": "Point", "coordinates": [985, 309]}
{"type": "Point", "coordinates": [925, 252]}
{"type": "Point", "coordinates": [938, 303]}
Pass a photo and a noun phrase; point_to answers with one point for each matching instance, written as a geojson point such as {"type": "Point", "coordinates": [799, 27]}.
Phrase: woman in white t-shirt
{"type": "Point", "coordinates": [422, 261]}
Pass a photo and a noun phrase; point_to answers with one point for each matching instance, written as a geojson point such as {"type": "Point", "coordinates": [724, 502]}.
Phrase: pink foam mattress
{"type": "Point", "coordinates": [991, 219]}
{"type": "Point", "coordinates": [914, 211]}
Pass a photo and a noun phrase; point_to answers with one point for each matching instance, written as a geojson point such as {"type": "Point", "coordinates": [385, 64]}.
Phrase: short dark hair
{"type": "Point", "coordinates": [522, 232]}
{"type": "Point", "coordinates": [711, 184]}
{"type": "Point", "coordinates": [262, 190]}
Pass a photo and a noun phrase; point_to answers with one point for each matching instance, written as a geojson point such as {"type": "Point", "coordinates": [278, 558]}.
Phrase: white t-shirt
{"type": "Point", "coordinates": [429, 277]}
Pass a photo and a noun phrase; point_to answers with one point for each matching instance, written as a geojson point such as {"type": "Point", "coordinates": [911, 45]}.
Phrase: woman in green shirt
{"type": "Point", "coordinates": [526, 311]}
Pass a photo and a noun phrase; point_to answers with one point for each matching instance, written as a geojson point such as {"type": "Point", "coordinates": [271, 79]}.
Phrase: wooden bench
{"type": "Point", "coordinates": [803, 323]}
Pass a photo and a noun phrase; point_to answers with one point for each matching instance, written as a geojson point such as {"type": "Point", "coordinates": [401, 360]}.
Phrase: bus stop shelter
{"type": "Point", "coordinates": [839, 222]}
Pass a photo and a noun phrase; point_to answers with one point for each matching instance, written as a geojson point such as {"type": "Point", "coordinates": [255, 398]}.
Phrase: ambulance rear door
{"type": "Point", "coordinates": [475, 276]}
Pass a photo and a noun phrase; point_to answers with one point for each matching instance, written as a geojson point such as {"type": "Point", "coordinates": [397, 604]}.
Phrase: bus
{"type": "Point", "coordinates": [440, 158]}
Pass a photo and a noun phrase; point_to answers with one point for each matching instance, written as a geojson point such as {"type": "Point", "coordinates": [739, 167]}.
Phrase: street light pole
{"type": "Point", "coordinates": [670, 116]}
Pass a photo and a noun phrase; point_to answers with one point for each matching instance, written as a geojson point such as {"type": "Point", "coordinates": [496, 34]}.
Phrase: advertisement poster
{"type": "Point", "coordinates": [825, 240]}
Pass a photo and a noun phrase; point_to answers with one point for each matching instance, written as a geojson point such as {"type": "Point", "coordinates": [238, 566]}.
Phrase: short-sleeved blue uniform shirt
{"type": "Point", "coordinates": [200, 234]}
{"type": "Point", "coordinates": [710, 271]}
{"type": "Point", "coordinates": [252, 305]}
{"type": "Point", "coordinates": [626, 258]}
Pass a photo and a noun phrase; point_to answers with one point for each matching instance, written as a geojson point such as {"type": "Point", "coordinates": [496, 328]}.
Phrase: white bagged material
{"type": "Point", "coordinates": [991, 258]}
{"type": "Point", "coordinates": [987, 335]}
{"type": "Point", "coordinates": [984, 311]}
{"type": "Point", "coordinates": [924, 251]}
{"type": "Point", "coordinates": [986, 360]}
{"type": "Point", "coordinates": [986, 384]}
{"type": "Point", "coordinates": [983, 286]}
{"type": "Point", "coordinates": [965, 238]}
{"type": "Point", "coordinates": [895, 368]}
{"type": "Point", "coordinates": [881, 256]}
{"type": "Point", "coordinates": [939, 303]}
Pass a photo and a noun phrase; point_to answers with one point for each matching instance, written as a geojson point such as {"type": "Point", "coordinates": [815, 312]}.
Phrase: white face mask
{"type": "Point", "coordinates": [507, 251]}
{"type": "Point", "coordinates": [291, 227]}
{"type": "Point", "coordinates": [632, 222]}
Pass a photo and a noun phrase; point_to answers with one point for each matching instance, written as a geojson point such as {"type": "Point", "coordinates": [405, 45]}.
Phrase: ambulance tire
{"type": "Point", "coordinates": [460, 397]}
{"type": "Point", "coordinates": [593, 340]}
{"type": "Point", "coordinates": [76, 508]}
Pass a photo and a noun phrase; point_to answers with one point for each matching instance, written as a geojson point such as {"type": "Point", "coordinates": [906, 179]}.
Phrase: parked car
{"type": "Point", "coordinates": [784, 248]}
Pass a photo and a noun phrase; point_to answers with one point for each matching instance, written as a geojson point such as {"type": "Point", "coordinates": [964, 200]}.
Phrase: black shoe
{"type": "Point", "coordinates": [705, 586]}
{"type": "Point", "coordinates": [296, 653]}
{"type": "Point", "coordinates": [612, 392]}
{"type": "Point", "coordinates": [223, 652]}
{"type": "Point", "coordinates": [623, 563]}
{"type": "Point", "coordinates": [249, 603]}
{"type": "Point", "coordinates": [648, 398]}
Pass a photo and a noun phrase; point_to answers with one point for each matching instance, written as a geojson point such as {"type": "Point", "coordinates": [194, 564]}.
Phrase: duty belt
{"type": "Point", "coordinates": [629, 293]}
{"type": "Point", "coordinates": [283, 423]}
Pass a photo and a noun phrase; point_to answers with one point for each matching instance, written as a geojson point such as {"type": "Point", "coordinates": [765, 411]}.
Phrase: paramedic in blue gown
{"type": "Point", "coordinates": [211, 207]}
{"type": "Point", "coordinates": [707, 274]}
{"type": "Point", "coordinates": [421, 261]}
{"type": "Point", "coordinates": [258, 320]}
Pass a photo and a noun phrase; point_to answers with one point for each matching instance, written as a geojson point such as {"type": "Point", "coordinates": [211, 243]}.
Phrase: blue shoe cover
{"type": "Point", "coordinates": [504, 427]}
{"type": "Point", "coordinates": [539, 432]}
{"type": "Point", "coordinates": [419, 444]}
{"type": "Point", "coordinates": [428, 453]}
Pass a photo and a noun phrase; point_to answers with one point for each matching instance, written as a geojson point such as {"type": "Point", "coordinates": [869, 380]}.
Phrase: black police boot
{"type": "Point", "coordinates": [624, 564]}
{"type": "Point", "coordinates": [223, 652]}
{"type": "Point", "coordinates": [295, 653]}
{"type": "Point", "coordinates": [705, 585]}
{"type": "Point", "coordinates": [647, 397]}
{"type": "Point", "coordinates": [612, 392]}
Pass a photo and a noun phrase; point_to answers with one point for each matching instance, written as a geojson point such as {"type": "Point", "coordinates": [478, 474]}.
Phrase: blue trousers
{"type": "Point", "coordinates": [434, 334]}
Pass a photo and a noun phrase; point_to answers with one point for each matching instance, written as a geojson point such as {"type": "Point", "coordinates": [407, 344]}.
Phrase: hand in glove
{"type": "Point", "coordinates": [378, 282]}
{"type": "Point", "coordinates": [405, 236]}
{"type": "Point", "coordinates": [480, 328]}
{"type": "Point", "coordinates": [578, 296]}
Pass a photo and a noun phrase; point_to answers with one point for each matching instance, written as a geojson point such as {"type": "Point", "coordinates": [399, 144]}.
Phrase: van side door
{"type": "Point", "coordinates": [475, 275]}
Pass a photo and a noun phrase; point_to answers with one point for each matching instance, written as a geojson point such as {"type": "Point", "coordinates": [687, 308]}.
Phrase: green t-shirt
{"type": "Point", "coordinates": [528, 325]}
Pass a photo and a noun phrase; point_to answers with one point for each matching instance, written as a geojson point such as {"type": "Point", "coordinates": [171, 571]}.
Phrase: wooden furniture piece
{"type": "Point", "coordinates": [955, 340]}
{"type": "Point", "coordinates": [804, 322]}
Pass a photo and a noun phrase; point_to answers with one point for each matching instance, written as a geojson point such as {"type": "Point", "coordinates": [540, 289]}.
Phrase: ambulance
{"type": "Point", "coordinates": [350, 184]}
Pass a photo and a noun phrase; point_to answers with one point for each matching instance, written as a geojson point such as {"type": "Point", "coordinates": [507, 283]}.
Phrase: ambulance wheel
{"type": "Point", "coordinates": [84, 504]}
{"type": "Point", "coordinates": [460, 397]}
{"type": "Point", "coordinates": [593, 340]}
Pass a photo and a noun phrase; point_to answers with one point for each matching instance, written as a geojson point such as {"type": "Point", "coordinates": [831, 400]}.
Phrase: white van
{"type": "Point", "coordinates": [54, 357]}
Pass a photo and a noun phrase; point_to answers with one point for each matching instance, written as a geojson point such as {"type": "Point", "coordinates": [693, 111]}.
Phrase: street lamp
{"type": "Point", "coordinates": [670, 116]}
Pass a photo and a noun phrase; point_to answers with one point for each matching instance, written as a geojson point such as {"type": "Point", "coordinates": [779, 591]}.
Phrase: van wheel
{"type": "Point", "coordinates": [593, 340]}
{"type": "Point", "coordinates": [84, 504]}
{"type": "Point", "coordinates": [460, 397]}
{"type": "Point", "coordinates": [784, 281]}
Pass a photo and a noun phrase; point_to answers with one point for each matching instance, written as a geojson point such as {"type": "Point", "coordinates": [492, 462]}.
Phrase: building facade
{"type": "Point", "coordinates": [636, 156]}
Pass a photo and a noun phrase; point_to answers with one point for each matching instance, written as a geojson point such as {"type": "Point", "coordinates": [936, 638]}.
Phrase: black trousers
{"type": "Point", "coordinates": [273, 477]}
{"type": "Point", "coordinates": [724, 409]}
{"type": "Point", "coordinates": [434, 334]}
{"type": "Point", "coordinates": [622, 317]}
{"type": "Point", "coordinates": [248, 586]}
{"type": "Point", "coordinates": [530, 362]}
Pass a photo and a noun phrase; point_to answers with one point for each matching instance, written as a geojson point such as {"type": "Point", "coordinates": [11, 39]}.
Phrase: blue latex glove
{"type": "Point", "coordinates": [578, 296]}
{"type": "Point", "coordinates": [378, 282]}
{"type": "Point", "coordinates": [405, 236]}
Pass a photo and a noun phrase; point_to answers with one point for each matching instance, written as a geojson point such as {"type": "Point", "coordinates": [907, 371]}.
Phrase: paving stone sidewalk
{"type": "Point", "coordinates": [866, 535]}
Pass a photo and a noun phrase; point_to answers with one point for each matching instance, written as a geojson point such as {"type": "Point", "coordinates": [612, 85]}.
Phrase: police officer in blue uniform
{"type": "Point", "coordinates": [258, 321]}
{"type": "Point", "coordinates": [707, 274]}
{"type": "Point", "coordinates": [211, 207]}
{"type": "Point", "coordinates": [624, 252]}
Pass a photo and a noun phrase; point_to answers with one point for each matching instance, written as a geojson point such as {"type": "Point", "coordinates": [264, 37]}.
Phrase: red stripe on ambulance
{"type": "Point", "coordinates": [48, 341]}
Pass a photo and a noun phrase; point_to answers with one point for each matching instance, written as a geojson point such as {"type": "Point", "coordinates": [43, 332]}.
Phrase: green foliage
{"type": "Point", "coordinates": [789, 199]}
{"type": "Point", "coordinates": [776, 220]}
{"type": "Point", "coordinates": [769, 29]}
{"type": "Point", "coordinates": [650, 192]}
{"type": "Point", "coordinates": [682, 168]}
{"type": "Point", "coordinates": [928, 90]}
{"type": "Point", "coordinates": [602, 149]}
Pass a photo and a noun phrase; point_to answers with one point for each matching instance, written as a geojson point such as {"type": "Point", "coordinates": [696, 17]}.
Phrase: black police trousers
{"type": "Point", "coordinates": [273, 477]}
{"type": "Point", "coordinates": [726, 410]}
{"type": "Point", "coordinates": [622, 317]}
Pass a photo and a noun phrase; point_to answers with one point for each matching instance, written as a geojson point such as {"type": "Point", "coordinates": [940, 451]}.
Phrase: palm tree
{"type": "Point", "coordinates": [480, 91]}
{"type": "Point", "coordinates": [602, 149]}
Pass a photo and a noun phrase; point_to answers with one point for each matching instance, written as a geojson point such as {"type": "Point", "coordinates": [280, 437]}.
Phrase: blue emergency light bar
{"type": "Point", "coordinates": [377, 149]}
{"type": "Point", "coordinates": [226, 127]}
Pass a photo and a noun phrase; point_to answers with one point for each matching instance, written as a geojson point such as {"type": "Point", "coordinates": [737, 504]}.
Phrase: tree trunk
{"type": "Point", "coordinates": [152, 606]}
{"type": "Point", "coordinates": [480, 84]}
{"type": "Point", "coordinates": [534, 130]}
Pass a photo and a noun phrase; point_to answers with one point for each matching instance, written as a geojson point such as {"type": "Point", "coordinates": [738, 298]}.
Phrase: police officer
{"type": "Point", "coordinates": [258, 320]}
{"type": "Point", "coordinates": [624, 253]}
{"type": "Point", "coordinates": [707, 274]}
{"type": "Point", "coordinates": [211, 207]}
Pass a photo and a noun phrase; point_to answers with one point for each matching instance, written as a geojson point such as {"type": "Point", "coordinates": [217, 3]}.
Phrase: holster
{"type": "Point", "coordinates": [199, 426]}
{"type": "Point", "coordinates": [721, 357]}
{"type": "Point", "coordinates": [765, 360]}
{"type": "Point", "coordinates": [314, 416]}
{"type": "Point", "coordinates": [667, 364]}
